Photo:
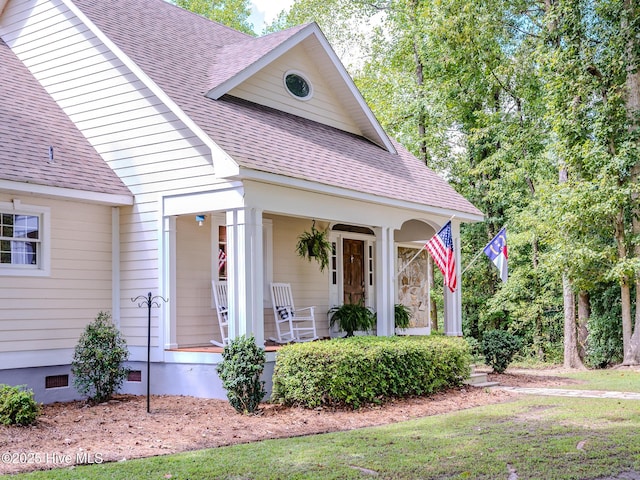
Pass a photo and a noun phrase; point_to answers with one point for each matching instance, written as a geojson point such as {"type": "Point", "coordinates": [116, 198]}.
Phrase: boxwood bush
{"type": "Point", "coordinates": [17, 406]}
{"type": "Point", "coordinates": [351, 372]}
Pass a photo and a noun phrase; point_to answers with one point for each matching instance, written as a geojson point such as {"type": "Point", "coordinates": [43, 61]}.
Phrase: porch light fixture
{"type": "Point", "coordinates": [200, 219]}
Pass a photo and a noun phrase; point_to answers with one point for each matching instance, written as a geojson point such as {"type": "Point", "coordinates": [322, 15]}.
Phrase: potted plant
{"type": "Point", "coordinates": [402, 316]}
{"type": "Point", "coordinates": [314, 244]}
{"type": "Point", "coordinates": [352, 317]}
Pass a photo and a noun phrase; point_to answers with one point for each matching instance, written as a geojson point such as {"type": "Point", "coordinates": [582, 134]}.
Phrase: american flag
{"type": "Point", "coordinates": [441, 249]}
{"type": "Point", "coordinates": [222, 259]}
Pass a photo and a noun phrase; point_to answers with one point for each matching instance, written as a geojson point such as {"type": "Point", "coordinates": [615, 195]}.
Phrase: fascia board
{"type": "Point", "coordinates": [354, 90]}
{"type": "Point", "coordinates": [112, 199]}
{"type": "Point", "coordinates": [248, 174]}
{"type": "Point", "coordinates": [149, 83]}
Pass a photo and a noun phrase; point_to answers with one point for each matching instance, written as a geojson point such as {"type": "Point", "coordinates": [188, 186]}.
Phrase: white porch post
{"type": "Point", "coordinates": [168, 288]}
{"type": "Point", "coordinates": [385, 280]}
{"type": "Point", "coordinates": [453, 301]}
{"type": "Point", "coordinates": [244, 273]}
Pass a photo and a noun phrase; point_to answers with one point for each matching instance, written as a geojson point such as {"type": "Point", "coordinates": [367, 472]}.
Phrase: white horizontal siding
{"type": "Point", "coordinates": [45, 313]}
{"type": "Point", "coordinates": [196, 320]}
{"type": "Point", "coordinates": [267, 88]}
{"type": "Point", "coordinates": [141, 139]}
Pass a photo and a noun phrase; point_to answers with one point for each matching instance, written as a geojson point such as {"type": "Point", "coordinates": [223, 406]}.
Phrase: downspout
{"type": "Point", "coordinates": [115, 265]}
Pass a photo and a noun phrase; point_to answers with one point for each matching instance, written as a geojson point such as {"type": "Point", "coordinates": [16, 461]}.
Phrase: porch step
{"type": "Point", "coordinates": [479, 380]}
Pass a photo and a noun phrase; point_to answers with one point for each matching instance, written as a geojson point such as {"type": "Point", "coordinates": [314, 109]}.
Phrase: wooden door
{"type": "Point", "coordinates": [353, 268]}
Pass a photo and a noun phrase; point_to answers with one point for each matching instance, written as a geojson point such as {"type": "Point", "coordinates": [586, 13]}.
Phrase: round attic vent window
{"type": "Point", "coordinates": [297, 85]}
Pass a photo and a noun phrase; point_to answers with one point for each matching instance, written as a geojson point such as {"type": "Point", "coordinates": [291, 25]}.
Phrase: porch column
{"type": "Point", "coordinates": [385, 273]}
{"type": "Point", "coordinates": [244, 273]}
{"type": "Point", "coordinates": [453, 300]}
{"type": "Point", "coordinates": [168, 287]}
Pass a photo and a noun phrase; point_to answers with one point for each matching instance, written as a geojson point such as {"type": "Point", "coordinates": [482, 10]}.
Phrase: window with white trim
{"type": "Point", "coordinates": [219, 236]}
{"type": "Point", "coordinates": [23, 239]}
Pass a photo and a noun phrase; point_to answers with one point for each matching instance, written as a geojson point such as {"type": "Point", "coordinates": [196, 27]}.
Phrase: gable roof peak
{"type": "Point", "coordinates": [238, 61]}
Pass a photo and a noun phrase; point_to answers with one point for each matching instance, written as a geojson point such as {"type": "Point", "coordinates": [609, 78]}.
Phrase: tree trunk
{"type": "Point", "coordinates": [632, 106]}
{"type": "Point", "coordinates": [571, 357]}
{"type": "Point", "coordinates": [625, 293]}
{"type": "Point", "coordinates": [584, 313]}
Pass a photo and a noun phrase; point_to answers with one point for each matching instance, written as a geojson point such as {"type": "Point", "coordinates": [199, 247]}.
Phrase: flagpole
{"type": "Point", "coordinates": [478, 254]}
{"type": "Point", "coordinates": [420, 251]}
{"type": "Point", "coordinates": [473, 261]}
{"type": "Point", "coordinates": [412, 259]}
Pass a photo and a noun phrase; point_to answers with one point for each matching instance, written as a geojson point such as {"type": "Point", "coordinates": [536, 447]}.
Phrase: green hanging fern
{"type": "Point", "coordinates": [315, 245]}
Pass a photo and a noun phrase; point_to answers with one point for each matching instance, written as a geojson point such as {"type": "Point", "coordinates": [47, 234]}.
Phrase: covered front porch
{"type": "Point", "coordinates": [246, 233]}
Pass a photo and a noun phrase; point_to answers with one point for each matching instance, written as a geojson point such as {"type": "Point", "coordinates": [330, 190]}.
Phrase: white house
{"type": "Point", "coordinates": [137, 140]}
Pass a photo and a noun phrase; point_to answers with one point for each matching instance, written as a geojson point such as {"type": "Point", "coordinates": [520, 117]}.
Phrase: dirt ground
{"type": "Point", "coordinates": [75, 433]}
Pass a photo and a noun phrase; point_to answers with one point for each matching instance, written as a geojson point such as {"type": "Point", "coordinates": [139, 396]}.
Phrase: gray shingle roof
{"type": "Point", "coordinates": [179, 51]}
{"type": "Point", "coordinates": [233, 58]}
{"type": "Point", "coordinates": [30, 122]}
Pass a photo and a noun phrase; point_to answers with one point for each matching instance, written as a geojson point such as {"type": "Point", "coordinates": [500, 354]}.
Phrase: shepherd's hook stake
{"type": "Point", "coordinates": [149, 301]}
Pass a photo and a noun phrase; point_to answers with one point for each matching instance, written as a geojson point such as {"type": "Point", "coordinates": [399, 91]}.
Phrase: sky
{"type": "Point", "coordinates": [265, 11]}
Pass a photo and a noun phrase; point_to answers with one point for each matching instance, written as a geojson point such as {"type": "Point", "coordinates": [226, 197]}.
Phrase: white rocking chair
{"type": "Point", "coordinates": [291, 325]}
{"type": "Point", "coordinates": [220, 298]}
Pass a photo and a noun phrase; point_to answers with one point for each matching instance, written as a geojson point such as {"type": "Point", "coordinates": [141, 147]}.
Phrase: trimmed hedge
{"type": "Point", "coordinates": [359, 370]}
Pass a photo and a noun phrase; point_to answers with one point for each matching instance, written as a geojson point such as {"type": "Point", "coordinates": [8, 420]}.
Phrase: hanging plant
{"type": "Point", "coordinates": [315, 245]}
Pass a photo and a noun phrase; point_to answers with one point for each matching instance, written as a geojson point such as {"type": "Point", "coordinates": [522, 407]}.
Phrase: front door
{"type": "Point", "coordinates": [353, 268]}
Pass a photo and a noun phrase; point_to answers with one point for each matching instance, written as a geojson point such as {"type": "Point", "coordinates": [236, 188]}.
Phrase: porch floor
{"type": "Point", "coordinates": [214, 349]}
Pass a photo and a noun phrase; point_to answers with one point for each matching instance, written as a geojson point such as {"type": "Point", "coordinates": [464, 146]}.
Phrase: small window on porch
{"type": "Point", "coordinates": [222, 252]}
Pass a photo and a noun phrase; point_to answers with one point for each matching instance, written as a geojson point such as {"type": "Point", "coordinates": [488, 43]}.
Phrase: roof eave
{"type": "Point", "coordinates": [112, 199]}
{"type": "Point", "coordinates": [275, 179]}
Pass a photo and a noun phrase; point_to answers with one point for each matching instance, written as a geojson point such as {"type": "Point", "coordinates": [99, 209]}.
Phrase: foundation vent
{"type": "Point", "coordinates": [134, 376]}
{"type": "Point", "coordinates": [56, 381]}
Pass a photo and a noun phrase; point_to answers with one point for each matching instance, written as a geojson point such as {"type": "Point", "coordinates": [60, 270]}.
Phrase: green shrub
{"type": "Point", "coordinates": [97, 360]}
{"type": "Point", "coordinates": [240, 370]}
{"type": "Point", "coordinates": [475, 348]}
{"type": "Point", "coordinates": [499, 348]}
{"type": "Point", "coordinates": [402, 316]}
{"type": "Point", "coordinates": [352, 317]}
{"type": "Point", "coordinates": [604, 343]}
{"type": "Point", "coordinates": [359, 370]}
{"type": "Point", "coordinates": [17, 406]}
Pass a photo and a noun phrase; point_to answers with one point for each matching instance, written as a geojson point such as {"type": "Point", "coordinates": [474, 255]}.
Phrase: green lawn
{"type": "Point", "coordinates": [535, 437]}
{"type": "Point", "coordinates": [617, 380]}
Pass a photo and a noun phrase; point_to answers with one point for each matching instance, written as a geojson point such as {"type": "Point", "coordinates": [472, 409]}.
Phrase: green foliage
{"type": "Point", "coordinates": [475, 348]}
{"type": "Point", "coordinates": [240, 370]}
{"type": "Point", "coordinates": [501, 97]}
{"type": "Point", "coordinates": [232, 13]}
{"type": "Point", "coordinates": [402, 315]}
{"type": "Point", "coordinates": [315, 245]}
{"type": "Point", "coordinates": [17, 406]}
{"type": "Point", "coordinates": [360, 370]}
{"type": "Point", "coordinates": [604, 343]}
{"type": "Point", "coordinates": [352, 317]}
{"type": "Point", "coordinates": [499, 348]}
{"type": "Point", "coordinates": [97, 360]}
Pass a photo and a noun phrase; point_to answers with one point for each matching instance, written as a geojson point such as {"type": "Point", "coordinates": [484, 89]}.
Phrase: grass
{"type": "Point", "coordinates": [535, 437]}
{"type": "Point", "coordinates": [614, 380]}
